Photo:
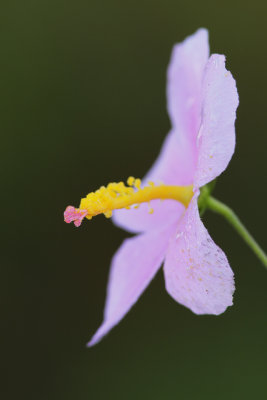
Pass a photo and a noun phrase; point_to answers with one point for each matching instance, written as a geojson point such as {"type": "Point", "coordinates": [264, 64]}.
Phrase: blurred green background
{"type": "Point", "coordinates": [83, 103]}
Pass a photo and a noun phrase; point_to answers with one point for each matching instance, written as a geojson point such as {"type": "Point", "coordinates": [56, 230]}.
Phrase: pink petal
{"type": "Point", "coordinates": [176, 163]}
{"type": "Point", "coordinates": [185, 74]}
{"type": "Point", "coordinates": [133, 267]}
{"type": "Point", "coordinates": [174, 166]}
{"type": "Point", "coordinates": [216, 137]}
{"type": "Point", "coordinates": [197, 273]}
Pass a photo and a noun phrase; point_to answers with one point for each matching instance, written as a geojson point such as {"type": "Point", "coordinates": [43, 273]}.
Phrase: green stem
{"type": "Point", "coordinates": [227, 213]}
{"type": "Point", "coordinates": [205, 193]}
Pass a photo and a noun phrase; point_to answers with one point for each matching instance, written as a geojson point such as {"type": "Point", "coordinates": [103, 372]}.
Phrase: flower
{"type": "Point", "coordinates": [202, 101]}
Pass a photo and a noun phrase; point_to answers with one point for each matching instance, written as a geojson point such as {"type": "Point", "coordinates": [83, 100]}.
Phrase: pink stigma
{"type": "Point", "coordinates": [74, 214]}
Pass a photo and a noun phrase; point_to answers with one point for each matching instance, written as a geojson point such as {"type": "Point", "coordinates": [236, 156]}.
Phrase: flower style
{"type": "Point", "coordinates": [202, 101]}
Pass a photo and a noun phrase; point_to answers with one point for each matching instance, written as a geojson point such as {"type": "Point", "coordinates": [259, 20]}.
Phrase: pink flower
{"type": "Point", "coordinates": [202, 102]}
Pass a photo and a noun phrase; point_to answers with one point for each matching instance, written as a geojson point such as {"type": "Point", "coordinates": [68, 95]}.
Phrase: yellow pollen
{"type": "Point", "coordinates": [130, 181]}
{"type": "Point", "coordinates": [137, 183]}
{"type": "Point", "coordinates": [118, 195]}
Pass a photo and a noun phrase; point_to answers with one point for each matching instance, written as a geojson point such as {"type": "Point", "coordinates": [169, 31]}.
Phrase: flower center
{"type": "Point", "coordinates": [118, 195]}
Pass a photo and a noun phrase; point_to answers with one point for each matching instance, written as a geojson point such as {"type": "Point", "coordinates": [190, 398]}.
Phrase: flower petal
{"type": "Point", "coordinates": [176, 163]}
{"type": "Point", "coordinates": [185, 74]}
{"type": "Point", "coordinates": [197, 273]}
{"type": "Point", "coordinates": [174, 166]}
{"type": "Point", "coordinates": [216, 137]}
{"type": "Point", "coordinates": [133, 267]}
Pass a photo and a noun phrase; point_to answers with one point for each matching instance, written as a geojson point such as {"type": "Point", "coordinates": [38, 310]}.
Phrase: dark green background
{"type": "Point", "coordinates": [82, 103]}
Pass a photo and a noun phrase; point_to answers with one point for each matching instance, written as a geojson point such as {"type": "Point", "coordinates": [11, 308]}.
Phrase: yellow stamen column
{"type": "Point", "coordinates": [118, 196]}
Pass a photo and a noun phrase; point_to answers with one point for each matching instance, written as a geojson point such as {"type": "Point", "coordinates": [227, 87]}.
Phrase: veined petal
{"type": "Point", "coordinates": [133, 267]}
{"type": "Point", "coordinates": [174, 166]}
{"type": "Point", "coordinates": [176, 163]}
{"type": "Point", "coordinates": [185, 74]}
{"type": "Point", "coordinates": [216, 137]}
{"type": "Point", "coordinates": [197, 273]}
